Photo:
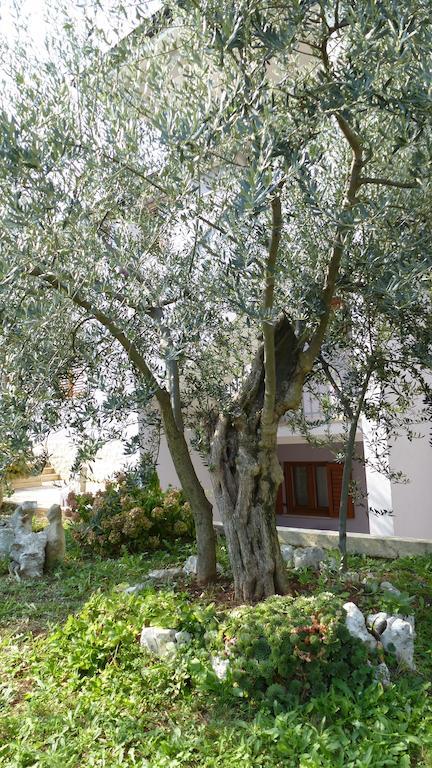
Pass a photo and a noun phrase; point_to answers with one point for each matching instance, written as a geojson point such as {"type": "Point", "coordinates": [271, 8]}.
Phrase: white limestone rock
{"type": "Point", "coordinates": [220, 666]}
{"type": "Point", "coordinates": [135, 588]}
{"type": "Point", "coordinates": [387, 586]}
{"type": "Point", "coordinates": [382, 674]}
{"type": "Point", "coordinates": [287, 552]}
{"type": "Point", "coordinates": [6, 536]}
{"type": "Point", "coordinates": [56, 544]}
{"type": "Point", "coordinates": [158, 640]}
{"type": "Point", "coordinates": [22, 518]}
{"type": "Point", "coordinates": [161, 641]}
{"type": "Point", "coordinates": [183, 638]}
{"type": "Point", "coordinates": [399, 637]}
{"type": "Point", "coordinates": [28, 555]}
{"type": "Point", "coordinates": [377, 622]}
{"type": "Point", "coordinates": [165, 575]}
{"type": "Point", "coordinates": [190, 567]}
{"type": "Point", "coordinates": [308, 557]}
{"type": "Point", "coordinates": [356, 625]}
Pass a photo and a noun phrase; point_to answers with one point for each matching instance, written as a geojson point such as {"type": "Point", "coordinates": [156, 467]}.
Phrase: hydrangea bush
{"type": "Point", "coordinates": [130, 513]}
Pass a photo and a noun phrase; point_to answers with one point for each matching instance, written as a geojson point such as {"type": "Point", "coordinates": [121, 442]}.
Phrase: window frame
{"type": "Point", "coordinates": [286, 505]}
{"type": "Point", "coordinates": [310, 509]}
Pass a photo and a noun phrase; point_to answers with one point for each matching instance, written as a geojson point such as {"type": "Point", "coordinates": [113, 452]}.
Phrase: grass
{"type": "Point", "coordinates": [76, 690]}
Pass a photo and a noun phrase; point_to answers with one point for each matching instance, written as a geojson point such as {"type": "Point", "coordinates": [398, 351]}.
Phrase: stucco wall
{"type": "Point", "coordinates": [412, 502]}
{"type": "Point", "coordinates": [168, 475]}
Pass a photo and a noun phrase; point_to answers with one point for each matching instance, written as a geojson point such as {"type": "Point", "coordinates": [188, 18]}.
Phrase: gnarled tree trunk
{"type": "Point", "coordinates": [246, 475]}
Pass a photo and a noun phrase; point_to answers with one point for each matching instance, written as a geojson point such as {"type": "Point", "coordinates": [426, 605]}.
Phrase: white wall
{"type": "Point", "coordinates": [168, 475]}
{"type": "Point", "coordinates": [412, 502]}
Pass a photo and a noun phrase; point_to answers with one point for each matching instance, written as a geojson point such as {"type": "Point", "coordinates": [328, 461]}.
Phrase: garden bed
{"type": "Point", "coordinates": [78, 690]}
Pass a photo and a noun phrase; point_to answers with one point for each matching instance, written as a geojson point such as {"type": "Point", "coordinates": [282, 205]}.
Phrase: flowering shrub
{"type": "Point", "coordinates": [129, 514]}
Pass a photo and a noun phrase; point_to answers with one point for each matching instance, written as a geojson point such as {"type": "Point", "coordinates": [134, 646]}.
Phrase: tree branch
{"type": "Point", "coordinates": [343, 400]}
{"type": "Point", "coordinates": [389, 182]}
{"type": "Point", "coordinates": [108, 323]}
{"type": "Point", "coordinates": [268, 325]}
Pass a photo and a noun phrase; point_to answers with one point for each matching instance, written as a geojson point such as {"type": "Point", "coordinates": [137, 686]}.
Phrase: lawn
{"type": "Point", "coordinates": [76, 689]}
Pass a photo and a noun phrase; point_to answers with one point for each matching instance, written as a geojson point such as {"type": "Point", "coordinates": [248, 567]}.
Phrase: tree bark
{"type": "Point", "coordinates": [343, 508]}
{"type": "Point", "coordinates": [202, 510]}
{"type": "Point", "coordinates": [246, 475]}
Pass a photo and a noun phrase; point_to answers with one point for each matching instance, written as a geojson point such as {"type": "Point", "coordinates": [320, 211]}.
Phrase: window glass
{"type": "Point", "coordinates": [301, 486]}
{"type": "Point", "coordinates": [321, 486]}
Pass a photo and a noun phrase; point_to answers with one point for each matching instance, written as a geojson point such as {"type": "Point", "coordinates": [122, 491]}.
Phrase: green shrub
{"type": "Point", "coordinates": [288, 649]}
{"type": "Point", "coordinates": [132, 513]}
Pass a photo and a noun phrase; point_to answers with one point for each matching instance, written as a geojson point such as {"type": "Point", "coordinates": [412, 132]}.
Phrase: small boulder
{"type": "Point", "coordinates": [308, 557]}
{"type": "Point", "coordinates": [183, 638]}
{"type": "Point", "coordinates": [22, 518]}
{"type": "Point", "coordinates": [158, 640]}
{"type": "Point", "coordinates": [356, 625]}
{"type": "Point", "coordinates": [6, 536]}
{"type": "Point", "coordinates": [382, 674]}
{"type": "Point", "coordinates": [165, 575]}
{"type": "Point", "coordinates": [56, 545]}
{"type": "Point", "coordinates": [220, 666]}
{"type": "Point", "coordinates": [135, 588]}
{"type": "Point", "coordinates": [399, 636]}
{"type": "Point", "coordinates": [28, 555]}
{"type": "Point", "coordinates": [190, 567]}
{"type": "Point", "coordinates": [377, 623]}
{"type": "Point", "coordinates": [287, 552]}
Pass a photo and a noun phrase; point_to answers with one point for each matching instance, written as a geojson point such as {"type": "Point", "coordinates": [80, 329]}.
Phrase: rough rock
{"type": "Point", "coordinates": [382, 674]}
{"type": "Point", "coordinates": [377, 622]}
{"type": "Point", "coordinates": [287, 552]}
{"type": "Point", "coordinates": [17, 524]}
{"type": "Point", "coordinates": [28, 555]}
{"type": "Point", "coordinates": [55, 546]}
{"type": "Point", "coordinates": [190, 567]}
{"type": "Point", "coordinates": [165, 575]}
{"type": "Point", "coordinates": [161, 641]}
{"type": "Point", "coordinates": [308, 557]}
{"type": "Point", "coordinates": [220, 666]}
{"type": "Point", "coordinates": [387, 586]}
{"type": "Point", "coordinates": [135, 588]}
{"type": "Point", "coordinates": [356, 625]}
{"type": "Point", "coordinates": [399, 636]}
{"type": "Point", "coordinates": [22, 518]}
{"type": "Point", "coordinates": [6, 536]}
{"type": "Point", "coordinates": [158, 640]}
{"type": "Point", "coordinates": [183, 638]}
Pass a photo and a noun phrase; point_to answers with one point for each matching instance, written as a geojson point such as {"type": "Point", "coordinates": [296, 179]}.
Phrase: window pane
{"type": "Point", "coordinates": [321, 486]}
{"type": "Point", "coordinates": [301, 495]}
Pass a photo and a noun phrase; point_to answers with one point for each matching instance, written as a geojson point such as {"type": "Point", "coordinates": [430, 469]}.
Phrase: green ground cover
{"type": "Point", "coordinates": [76, 689]}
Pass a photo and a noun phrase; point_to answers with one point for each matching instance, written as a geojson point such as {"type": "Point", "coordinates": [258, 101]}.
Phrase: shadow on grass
{"type": "Point", "coordinates": [35, 606]}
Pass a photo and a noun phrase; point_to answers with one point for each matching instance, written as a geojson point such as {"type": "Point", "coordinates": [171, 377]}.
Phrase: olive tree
{"type": "Point", "coordinates": [196, 195]}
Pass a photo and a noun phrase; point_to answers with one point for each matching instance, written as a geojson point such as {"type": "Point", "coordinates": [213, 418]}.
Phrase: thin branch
{"type": "Point", "coordinates": [307, 357]}
{"type": "Point", "coordinates": [130, 348]}
{"type": "Point", "coordinates": [268, 325]}
{"type": "Point", "coordinates": [389, 182]}
{"type": "Point", "coordinates": [343, 400]}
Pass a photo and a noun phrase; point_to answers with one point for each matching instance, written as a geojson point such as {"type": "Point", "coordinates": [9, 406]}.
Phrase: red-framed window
{"type": "Point", "coordinates": [312, 488]}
